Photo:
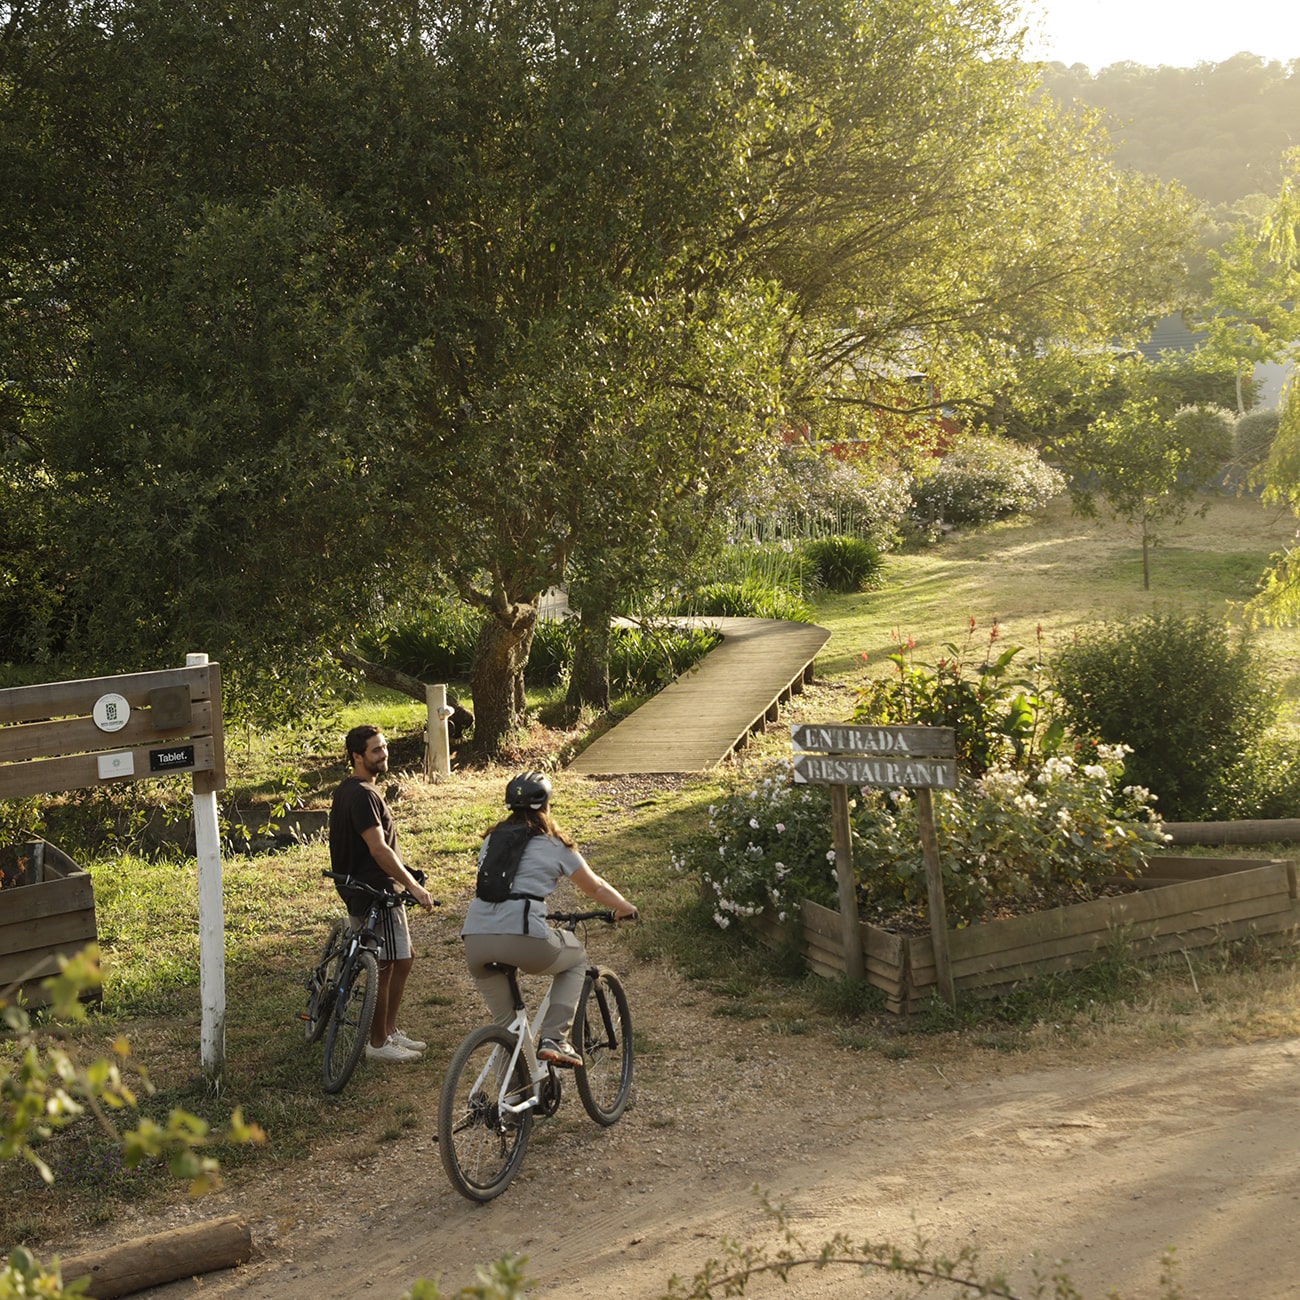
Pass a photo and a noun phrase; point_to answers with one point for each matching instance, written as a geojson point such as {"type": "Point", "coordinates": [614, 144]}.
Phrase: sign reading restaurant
{"type": "Point", "coordinates": [892, 757]}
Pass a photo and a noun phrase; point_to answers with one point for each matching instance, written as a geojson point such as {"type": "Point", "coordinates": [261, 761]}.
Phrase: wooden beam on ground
{"type": "Point", "coordinates": [162, 1257]}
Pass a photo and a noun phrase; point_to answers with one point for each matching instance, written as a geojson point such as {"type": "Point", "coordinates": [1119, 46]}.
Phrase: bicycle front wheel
{"type": "Point", "coordinates": [480, 1139]}
{"type": "Point", "coordinates": [349, 1027]}
{"type": "Point", "coordinates": [604, 1034]}
{"type": "Point", "coordinates": [323, 983]}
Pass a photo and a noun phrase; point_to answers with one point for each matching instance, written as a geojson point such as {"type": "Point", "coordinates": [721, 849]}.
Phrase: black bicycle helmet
{"type": "Point", "coordinates": [528, 790]}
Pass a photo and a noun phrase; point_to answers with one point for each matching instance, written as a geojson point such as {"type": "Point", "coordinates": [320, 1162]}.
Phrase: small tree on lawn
{"type": "Point", "coordinates": [1147, 466]}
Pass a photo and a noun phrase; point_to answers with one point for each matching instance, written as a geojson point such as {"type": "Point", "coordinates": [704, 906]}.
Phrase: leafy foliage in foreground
{"type": "Point", "coordinates": [43, 1088]}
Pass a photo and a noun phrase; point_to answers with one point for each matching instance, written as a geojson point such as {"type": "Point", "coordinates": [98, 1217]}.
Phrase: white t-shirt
{"type": "Point", "coordinates": [546, 861]}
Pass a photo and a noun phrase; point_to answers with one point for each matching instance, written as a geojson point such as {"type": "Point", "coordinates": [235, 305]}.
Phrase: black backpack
{"type": "Point", "coordinates": [496, 873]}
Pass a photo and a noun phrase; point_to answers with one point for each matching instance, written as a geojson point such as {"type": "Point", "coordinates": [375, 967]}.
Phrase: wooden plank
{"type": "Point", "coordinates": [51, 739]}
{"type": "Point", "coordinates": [1002, 944]}
{"type": "Point", "coordinates": [37, 963]}
{"type": "Point", "coordinates": [1231, 899]}
{"type": "Point", "coordinates": [51, 931]}
{"type": "Point", "coordinates": [1162, 870]}
{"type": "Point", "coordinates": [1188, 929]}
{"type": "Point", "coordinates": [81, 771]}
{"type": "Point", "coordinates": [698, 721]}
{"type": "Point", "coordinates": [29, 903]}
{"type": "Point", "coordinates": [1277, 923]}
{"type": "Point", "coordinates": [77, 698]}
{"type": "Point", "coordinates": [1059, 923]}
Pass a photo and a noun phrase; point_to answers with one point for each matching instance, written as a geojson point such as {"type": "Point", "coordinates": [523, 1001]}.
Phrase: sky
{"type": "Point", "coordinates": [1180, 33]}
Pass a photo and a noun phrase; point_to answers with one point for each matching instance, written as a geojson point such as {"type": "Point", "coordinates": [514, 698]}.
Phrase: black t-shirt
{"type": "Point", "coordinates": [357, 807]}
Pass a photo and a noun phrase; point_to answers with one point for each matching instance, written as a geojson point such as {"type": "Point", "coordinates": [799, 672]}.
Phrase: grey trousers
{"type": "Point", "coordinates": [561, 956]}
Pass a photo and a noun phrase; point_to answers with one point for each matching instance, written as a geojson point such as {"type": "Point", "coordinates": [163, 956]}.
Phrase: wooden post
{"type": "Point", "coordinates": [847, 882]}
{"type": "Point", "coordinates": [437, 748]}
{"type": "Point", "coordinates": [212, 925]}
{"type": "Point", "coordinates": [934, 889]}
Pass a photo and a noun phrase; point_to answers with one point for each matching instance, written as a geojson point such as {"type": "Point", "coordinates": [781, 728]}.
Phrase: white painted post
{"type": "Point", "coordinates": [437, 739]}
{"type": "Point", "coordinates": [212, 925]}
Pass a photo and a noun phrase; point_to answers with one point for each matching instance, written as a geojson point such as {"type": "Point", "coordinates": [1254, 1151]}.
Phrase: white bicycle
{"type": "Point", "coordinates": [495, 1084]}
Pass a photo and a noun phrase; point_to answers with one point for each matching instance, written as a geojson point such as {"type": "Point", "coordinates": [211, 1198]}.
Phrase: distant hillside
{"type": "Point", "coordinates": [1219, 128]}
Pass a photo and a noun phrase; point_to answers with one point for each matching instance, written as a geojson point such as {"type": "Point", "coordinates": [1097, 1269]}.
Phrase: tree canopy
{"type": "Point", "coordinates": [303, 309]}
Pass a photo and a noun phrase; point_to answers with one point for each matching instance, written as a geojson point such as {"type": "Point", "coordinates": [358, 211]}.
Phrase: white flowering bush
{"type": "Point", "coordinates": [1010, 840]}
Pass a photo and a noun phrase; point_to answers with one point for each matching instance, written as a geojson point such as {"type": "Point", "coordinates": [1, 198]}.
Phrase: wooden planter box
{"type": "Point", "coordinates": [50, 914]}
{"type": "Point", "coordinates": [1178, 903]}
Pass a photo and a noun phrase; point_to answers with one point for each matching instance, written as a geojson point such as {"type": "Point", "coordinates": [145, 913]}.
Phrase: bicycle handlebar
{"type": "Point", "coordinates": [389, 898]}
{"type": "Point", "coordinates": [572, 918]}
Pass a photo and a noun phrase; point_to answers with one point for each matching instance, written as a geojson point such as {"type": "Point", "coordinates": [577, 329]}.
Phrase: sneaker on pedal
{"type": "Point", "coordinates": [390, 1051]}
{"type": "Point", "coordinates": [411, 1044]}
{"type": "Point", "coordinates": [559, 1052]}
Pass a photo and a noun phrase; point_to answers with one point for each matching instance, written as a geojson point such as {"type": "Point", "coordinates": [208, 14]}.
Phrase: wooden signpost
{"type": "Point", "coordinates": [915, 758]}
{"type": "Point", "coordinates": [104, 730]}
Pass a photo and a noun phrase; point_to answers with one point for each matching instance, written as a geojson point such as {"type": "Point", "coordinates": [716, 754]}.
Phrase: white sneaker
{"type": "Point", "coordinates": [411, 1044]}
{"type": "Point", "coordinates": [389, 1052]}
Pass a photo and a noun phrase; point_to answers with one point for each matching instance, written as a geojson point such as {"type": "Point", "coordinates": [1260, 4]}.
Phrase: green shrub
{"type": "Point", "coordinates": [813, 493]}
{"type": "Point", "coordinates": [1023, 839]}
{"type": "Point", "coordinates": [643, 660]}
{"type": "Point", "coordinates": [1187, 697]}
{"type": "Point", "coordinates": [1209, 429]}
{"type": "Point", "coordinates": [980, 480]}
{"type": "Point", "coordinates": [1253, 437]}
{"type": "Point", "coordinates": [550, 655]}
{"type": "Point", "coordinates": [775, 564]}
{"type": "Point", "coordinates": [749, 599]}
{"type": "Point", "coordinates": [844, 563]}
{"type": "Point", "coordinates": [434, 642]}
{"type": "Point", "coordinates": [1266, 782]}
{"type": "Point", "coordinates": [998, 714]}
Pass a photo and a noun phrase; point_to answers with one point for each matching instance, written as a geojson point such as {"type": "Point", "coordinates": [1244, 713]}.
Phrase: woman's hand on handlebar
{"type": "Point", "coordinates": [626, 914]}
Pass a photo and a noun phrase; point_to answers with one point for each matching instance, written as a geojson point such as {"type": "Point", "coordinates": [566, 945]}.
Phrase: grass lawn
{"type": "Point", "coordinates": [1056, 573]}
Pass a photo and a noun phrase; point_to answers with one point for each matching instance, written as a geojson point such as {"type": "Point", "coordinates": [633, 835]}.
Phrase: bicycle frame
{"type": "Point", "coordinates": [525, 1035]}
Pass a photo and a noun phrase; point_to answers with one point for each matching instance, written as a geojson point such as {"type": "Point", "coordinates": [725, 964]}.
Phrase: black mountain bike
{"type": "Point", "coordinates": [343, 989]}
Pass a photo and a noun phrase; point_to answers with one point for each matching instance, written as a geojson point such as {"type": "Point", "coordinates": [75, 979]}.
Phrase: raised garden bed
{"type": "Point", "coordinates": [1179, 902]}
{"type": "Point", "coordinates": [47, 910]}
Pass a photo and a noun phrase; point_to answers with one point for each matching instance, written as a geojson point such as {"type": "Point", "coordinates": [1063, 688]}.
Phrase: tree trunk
{"type": "Point", "coordinates": [589, 677]}
{"type": "Point", "coordinates": [497, 675]}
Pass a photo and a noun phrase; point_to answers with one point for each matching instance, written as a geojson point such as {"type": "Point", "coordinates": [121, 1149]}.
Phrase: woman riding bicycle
{"type": "Point", "coordinates": [515, 933]}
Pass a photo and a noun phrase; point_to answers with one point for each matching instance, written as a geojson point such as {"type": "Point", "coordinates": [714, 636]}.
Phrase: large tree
{"type": "Point", "coordinates": [343, 298]}
{"type": "Point", "coordinates": [1253, 313]}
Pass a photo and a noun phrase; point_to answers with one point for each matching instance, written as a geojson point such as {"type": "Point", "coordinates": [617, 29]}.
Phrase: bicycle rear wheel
{"type": "Point", "coordinates": [603, 1028]}
{"type": "Point", "coordinates": [482, 1145]}
{"type": "Point", "coordinates": [349, 1027]}
{"type": "Point", "coordinates": [322, 983]}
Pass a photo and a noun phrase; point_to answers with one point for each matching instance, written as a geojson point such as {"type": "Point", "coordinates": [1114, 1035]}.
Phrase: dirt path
{"type": "Point", "coordinates": [1107, 1164]}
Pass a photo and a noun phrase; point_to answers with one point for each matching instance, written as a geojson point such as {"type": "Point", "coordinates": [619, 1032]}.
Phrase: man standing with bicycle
{"type": "Point", "coordinates": [363, 844]}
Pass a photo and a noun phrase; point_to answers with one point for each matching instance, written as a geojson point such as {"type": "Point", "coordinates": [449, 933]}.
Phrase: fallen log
{"type": "Point", "coordinates": [1281, 830]}
{"type": "Point", "coordinates": [161, 1257]}
{"type": "Point", "coordinates": [394, 679]}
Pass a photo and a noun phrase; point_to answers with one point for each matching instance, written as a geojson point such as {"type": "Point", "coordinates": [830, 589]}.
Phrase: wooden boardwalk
{"type": "Point", "coordinates": [704, 716]}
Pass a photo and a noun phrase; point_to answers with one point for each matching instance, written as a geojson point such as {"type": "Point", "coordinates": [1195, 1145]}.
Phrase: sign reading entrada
{"type": "Point", "coordinates": [893, 757]}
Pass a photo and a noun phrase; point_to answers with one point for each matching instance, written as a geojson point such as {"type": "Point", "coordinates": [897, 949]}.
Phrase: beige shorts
{"type": "Point", "coordinates": [394, 933]}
